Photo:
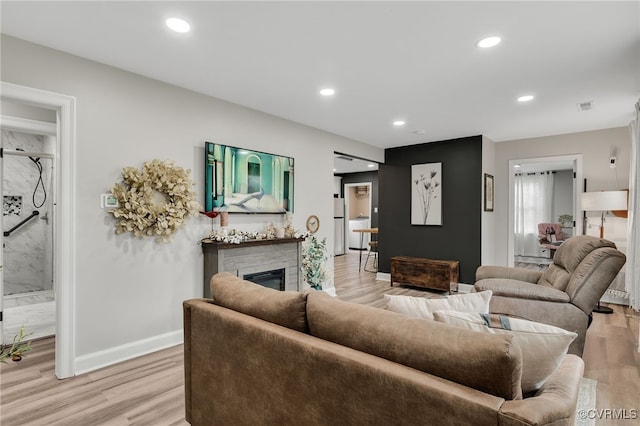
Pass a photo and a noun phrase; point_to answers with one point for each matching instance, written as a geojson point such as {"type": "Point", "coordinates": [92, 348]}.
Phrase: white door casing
{"type": "Point", "coordinates": [64, 214]}
{"type": "Point", "coordinates": [577, 189]}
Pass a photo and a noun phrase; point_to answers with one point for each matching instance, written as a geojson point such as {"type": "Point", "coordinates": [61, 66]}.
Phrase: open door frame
{"type": "Point", "coordinates": [577, 189]}
{"type": "Point", "coordinates": [346, 187]}
{"type": "Point", "coordinates": [64, 216]}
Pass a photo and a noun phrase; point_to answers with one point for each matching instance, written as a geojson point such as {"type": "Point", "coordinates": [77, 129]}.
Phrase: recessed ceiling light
{"type": "Point", "coordinates": [399, 123]}
{"type": "Point", "coordinates": [525, 98]}
{"type": "Point", "coordinates": [327, 92]}
{"type": "Point", "coordinates": [178, 25]}
{"type": "Point", "coordinates": [371, 165]}
{"type": "Point", "coordinates": [517, 166]}
{"type": "Point", "coordinates": [489, 42]}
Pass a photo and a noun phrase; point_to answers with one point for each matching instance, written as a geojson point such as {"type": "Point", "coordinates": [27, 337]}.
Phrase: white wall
{"type": "Point", "coordinates": [562, 194]}
{"type": "Point", "coordinates": [595, 147]}
{"type": "Point", "coordinates": [488, 243]}
{"type": "Point", "coordinates": [130, 290]}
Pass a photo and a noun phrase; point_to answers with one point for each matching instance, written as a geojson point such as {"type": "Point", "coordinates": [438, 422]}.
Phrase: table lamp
{"type": "Point", "coordinates": [603, 201]}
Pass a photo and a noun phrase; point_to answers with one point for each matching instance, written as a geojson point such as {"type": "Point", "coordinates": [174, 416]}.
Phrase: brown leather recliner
{"type": "Point", "coordinates": [563, 295]}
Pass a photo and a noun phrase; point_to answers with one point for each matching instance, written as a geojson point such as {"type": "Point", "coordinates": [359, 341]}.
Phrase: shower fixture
{"type": "Point", "coordinates": [40, 182]}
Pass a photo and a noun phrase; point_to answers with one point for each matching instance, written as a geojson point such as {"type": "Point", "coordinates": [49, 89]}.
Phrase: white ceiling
{"type": "Point", "coordinates": [387, 60]}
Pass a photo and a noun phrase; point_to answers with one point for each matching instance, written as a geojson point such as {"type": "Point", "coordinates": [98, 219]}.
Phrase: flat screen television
{"type": "Point", "coordinates": [240, 180]}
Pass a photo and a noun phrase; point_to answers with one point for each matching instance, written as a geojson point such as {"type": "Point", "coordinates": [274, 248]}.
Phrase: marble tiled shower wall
{"type": "Point", "coordinates": [28, 251]}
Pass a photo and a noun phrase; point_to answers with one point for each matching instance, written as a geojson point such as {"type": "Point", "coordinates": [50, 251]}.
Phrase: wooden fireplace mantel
{"type": "Point", "coordinates": [223, 245]}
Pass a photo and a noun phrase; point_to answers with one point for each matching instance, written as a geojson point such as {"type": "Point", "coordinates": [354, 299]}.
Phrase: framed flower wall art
{"type": "Point", "coordinates": [426, 194]}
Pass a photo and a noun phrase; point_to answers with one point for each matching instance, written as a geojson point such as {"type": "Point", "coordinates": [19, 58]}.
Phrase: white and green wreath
{"type": "Point", "coordinates": [154, 201]}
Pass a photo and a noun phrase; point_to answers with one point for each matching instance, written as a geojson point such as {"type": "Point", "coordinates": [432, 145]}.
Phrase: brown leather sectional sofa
{"type": "Point", "coordinates": [256, 356]}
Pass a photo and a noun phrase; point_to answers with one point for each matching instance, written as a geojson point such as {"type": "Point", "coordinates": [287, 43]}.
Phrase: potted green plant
{"type": "Point", "coordinates": [566, 220]}
{"type": "Point", "coordinates": [313, 258]}
{"type": "Point", "coordinates": [16, 351]}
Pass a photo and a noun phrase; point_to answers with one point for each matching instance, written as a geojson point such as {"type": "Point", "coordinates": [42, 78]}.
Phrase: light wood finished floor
{"type": "Point", "coordinates": [149, 390]}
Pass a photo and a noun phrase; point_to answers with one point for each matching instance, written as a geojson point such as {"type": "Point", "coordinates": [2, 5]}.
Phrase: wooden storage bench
{"type": "Point", "coordinates": [428, 273]}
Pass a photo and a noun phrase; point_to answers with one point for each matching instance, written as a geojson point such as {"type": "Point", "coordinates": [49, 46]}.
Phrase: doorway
{"type": "Point", "coordinates": [558, 178]}
{"type": "Point", "coordinates": [26, 185]}
{"type": "Point", "coordinates": [357, 198]}
{"type": "Point", "coordinates": [355, 202]}
{"type": "Point", "coordinates": [63, 211]}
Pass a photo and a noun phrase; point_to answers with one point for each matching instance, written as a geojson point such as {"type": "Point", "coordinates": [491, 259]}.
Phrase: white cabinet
{"type": "Point", "coordinates": [355, 237]}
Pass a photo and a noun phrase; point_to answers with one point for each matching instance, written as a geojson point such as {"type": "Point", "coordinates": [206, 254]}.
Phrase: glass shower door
{"type": "Point", "coordinates": [1, 257]}
{"type": "Point", "coordinates": [26, 280]}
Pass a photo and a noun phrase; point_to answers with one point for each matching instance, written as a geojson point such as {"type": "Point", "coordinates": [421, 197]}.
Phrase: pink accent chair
{"type": "Point", "coordinates": [542, 232]}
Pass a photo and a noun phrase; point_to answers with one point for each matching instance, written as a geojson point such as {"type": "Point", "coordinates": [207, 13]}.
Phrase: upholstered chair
{"type": "Point", "coordinates": [543, 232]}
{"type": "Point", "coordinates": [563, 295]}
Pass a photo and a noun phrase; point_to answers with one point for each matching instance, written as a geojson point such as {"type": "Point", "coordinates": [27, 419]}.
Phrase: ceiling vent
{"type": "Point", "coordinates": [585, 106]}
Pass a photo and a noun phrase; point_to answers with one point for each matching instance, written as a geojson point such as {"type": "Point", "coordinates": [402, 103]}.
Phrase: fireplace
{"type": "Point", "coordinates": [272, 279]}
{"type": "Point", "coordinates": [255, 257]}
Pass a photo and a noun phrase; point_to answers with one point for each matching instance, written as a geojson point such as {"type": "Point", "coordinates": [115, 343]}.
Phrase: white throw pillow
{"type": "Point", "coordinates": [543, 346]}
{"type": "Point", "coordinates": [421, 307]}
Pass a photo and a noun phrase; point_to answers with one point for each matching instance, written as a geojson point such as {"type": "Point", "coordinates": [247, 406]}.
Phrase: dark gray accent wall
{"type": "Point", "coordinates": [459, 237]}
{"type": "Point", "coordinates": [364, 177]}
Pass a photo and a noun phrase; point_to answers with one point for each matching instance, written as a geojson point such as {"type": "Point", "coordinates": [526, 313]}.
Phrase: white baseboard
{"type": "Point", "coordinates": [100, 359]}
{"type": "Point", "coordinates": [464, 288]}
{"type": "Point", "coordinates": [383, 276]}
{"type": "Point", "coordinates": [331, 291]}
{"type": "Point", "coordinates": [617, 297]}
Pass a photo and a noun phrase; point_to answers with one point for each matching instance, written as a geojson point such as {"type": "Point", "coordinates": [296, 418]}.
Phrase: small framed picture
{"type": "Point", "coordinates": [488, 192]}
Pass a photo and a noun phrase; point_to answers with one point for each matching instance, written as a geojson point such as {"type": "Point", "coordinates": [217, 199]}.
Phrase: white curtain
{"type": "Point", "coordinates": [534, 205]}
{"type": "Point", "coordinates": [632, 275]}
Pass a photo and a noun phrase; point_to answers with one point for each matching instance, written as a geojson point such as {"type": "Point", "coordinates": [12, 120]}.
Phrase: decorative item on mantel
{"type": "Point", "coordinates": [313, 257]}
{"type": "Point", "coordinates": [270, 231]}
{"type": "Point", "coordinates": [289, 230]}
{"type": "Point", "coordinates": [154, 201]}
{"type": "Point", "coordinates": [238, 236]}
{"type": "Point", "coordinates": [219, 211]}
